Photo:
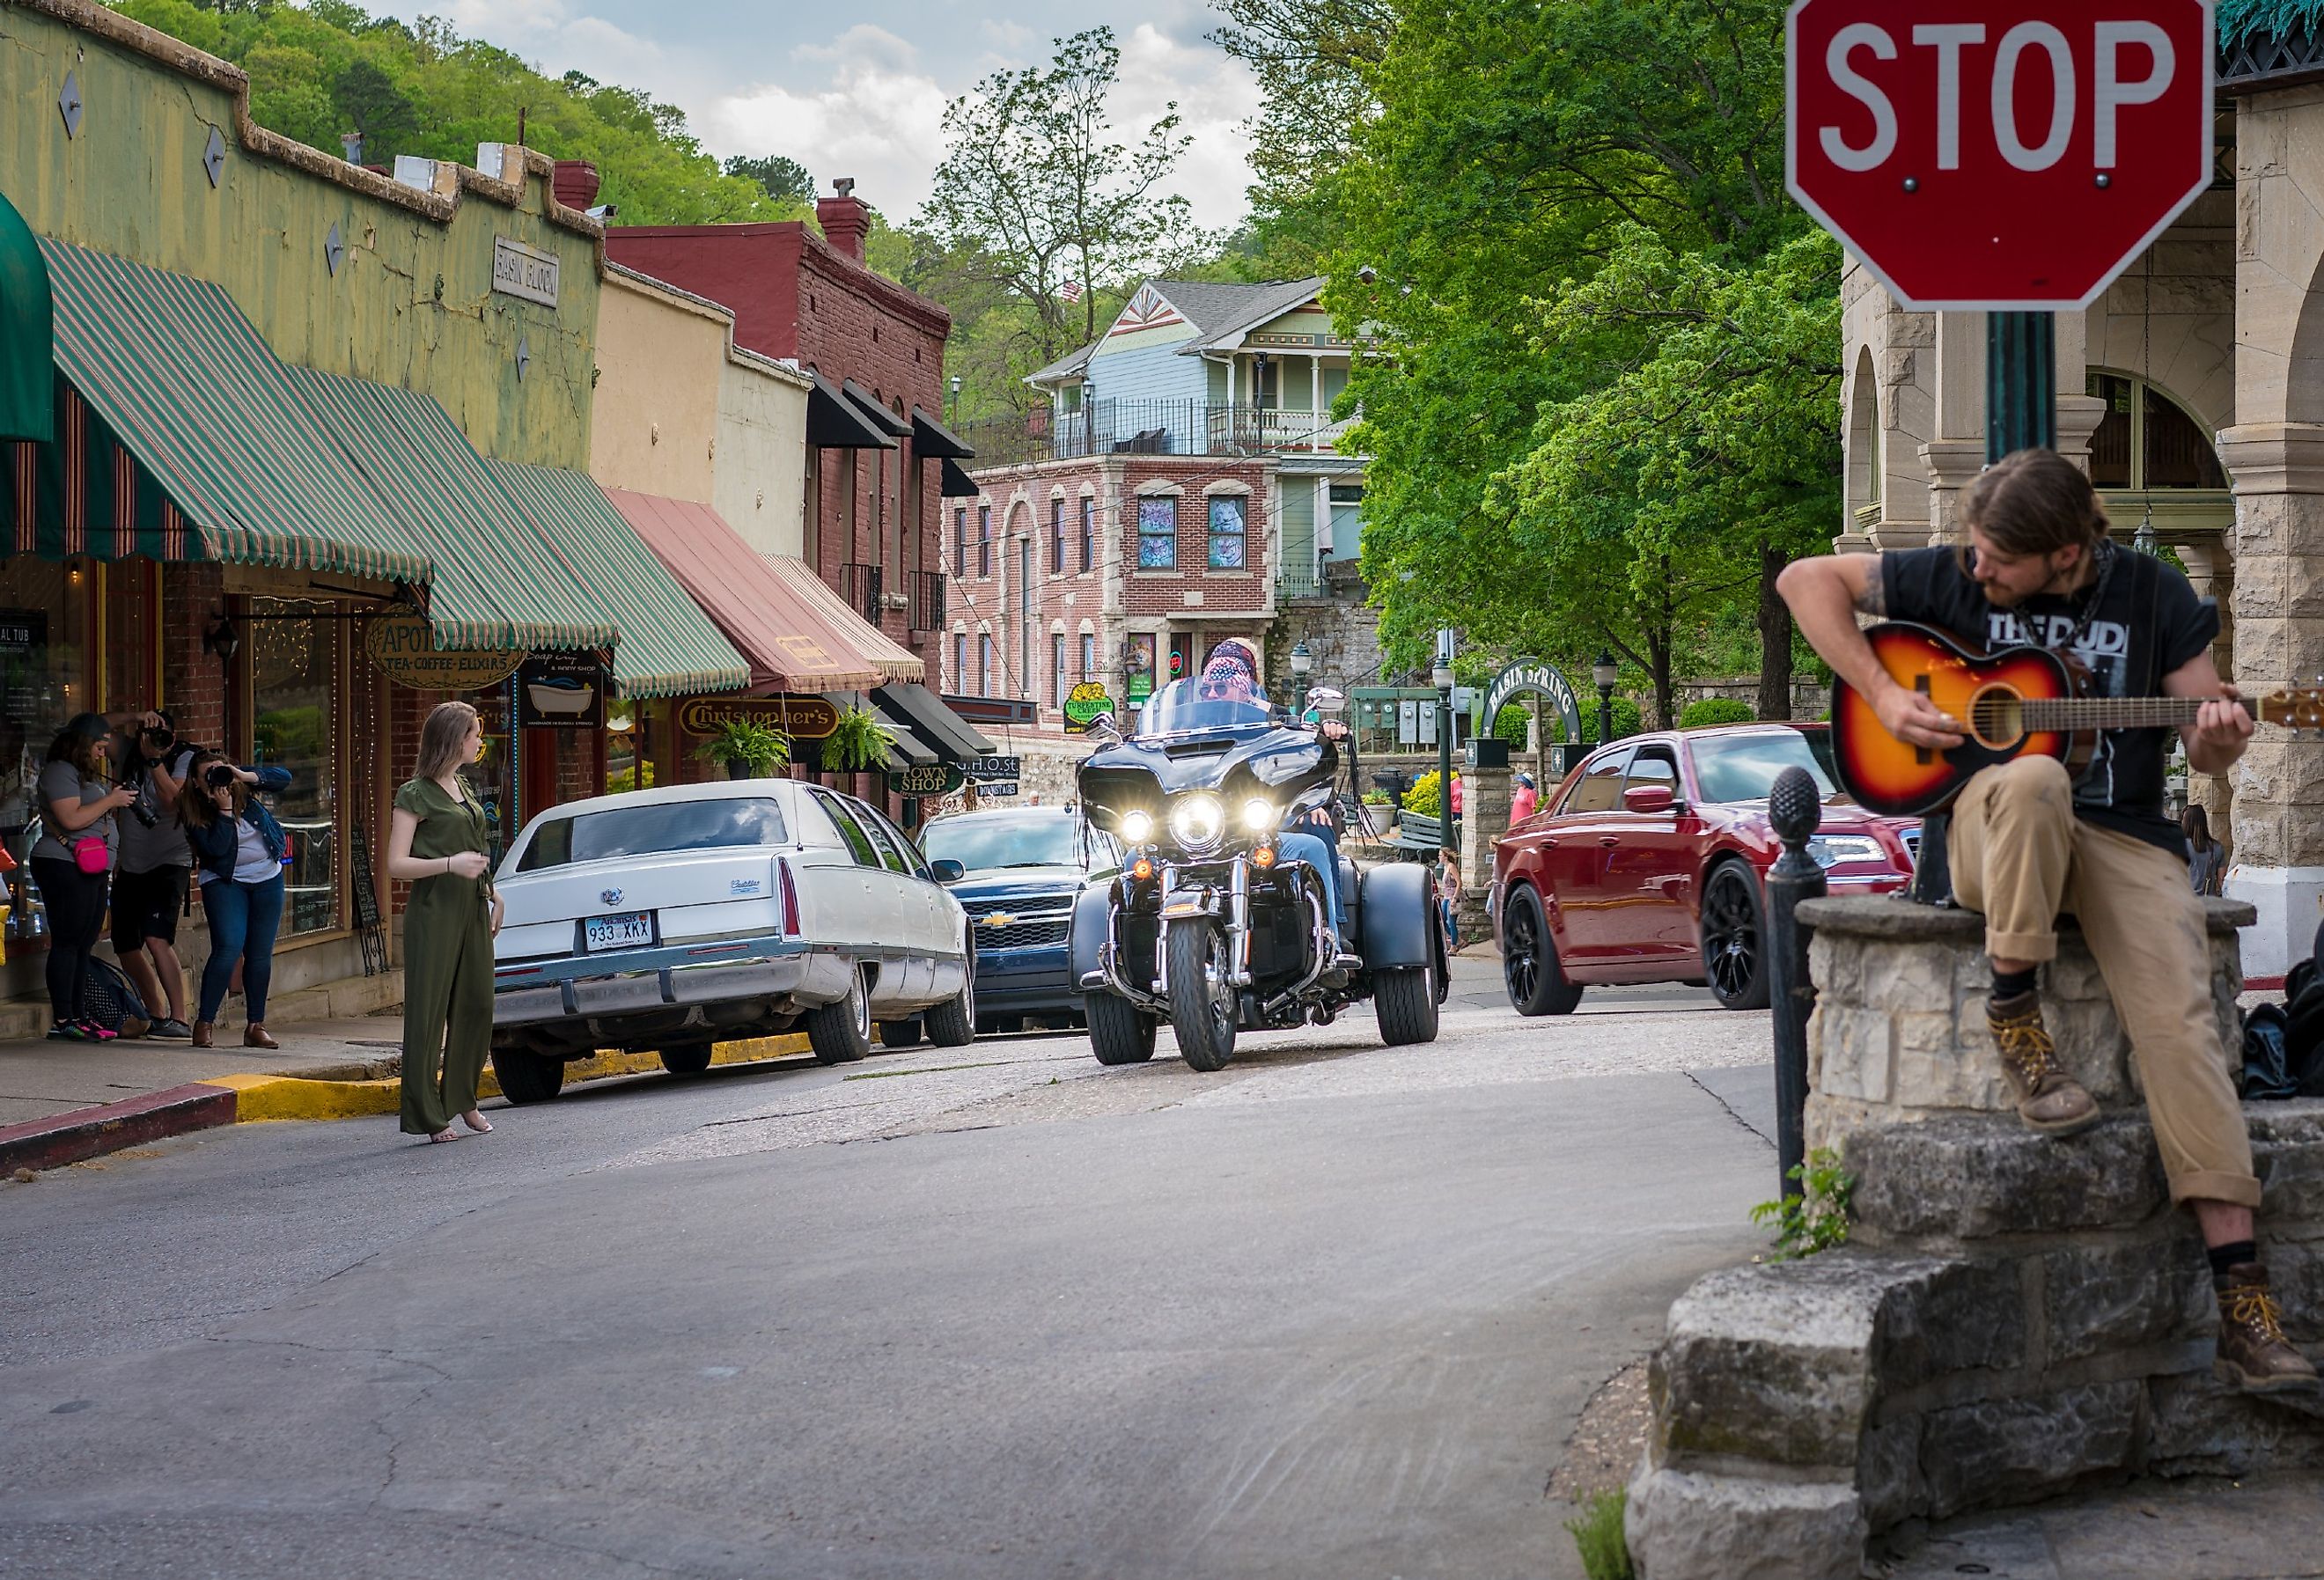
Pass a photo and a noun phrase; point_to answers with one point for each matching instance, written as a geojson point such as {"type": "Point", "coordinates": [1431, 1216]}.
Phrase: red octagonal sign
{"type": "Point", "coordinates": [1982, 154]}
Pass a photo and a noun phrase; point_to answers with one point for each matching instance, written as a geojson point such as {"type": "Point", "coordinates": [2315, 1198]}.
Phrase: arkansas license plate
{"type": "Point", "coordinates": [618, 932]}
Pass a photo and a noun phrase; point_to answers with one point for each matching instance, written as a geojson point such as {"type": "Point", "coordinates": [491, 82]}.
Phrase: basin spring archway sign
{"type": "Point", "coordinates": [2013, 156]}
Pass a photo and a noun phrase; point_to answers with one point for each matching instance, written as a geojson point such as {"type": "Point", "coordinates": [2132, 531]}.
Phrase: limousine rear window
{"type": "Point", "coordinates": [655, 829]}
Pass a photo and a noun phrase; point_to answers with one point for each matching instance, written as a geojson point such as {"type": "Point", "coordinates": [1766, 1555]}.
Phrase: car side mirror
{"type": "Point", "coordinates": [1647, 797]}
{"type": "Point", "coordinates": [945, 870]}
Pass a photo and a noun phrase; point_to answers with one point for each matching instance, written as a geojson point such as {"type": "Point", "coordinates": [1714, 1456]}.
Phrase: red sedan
{"type": "Point", "coordinates": [1646, 864]}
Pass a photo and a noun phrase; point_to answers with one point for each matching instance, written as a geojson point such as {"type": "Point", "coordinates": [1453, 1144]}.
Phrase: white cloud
{"type": "Point", "coordinates": [1215, 95]}
{"type": "Point", "coordinates": [875, 116]}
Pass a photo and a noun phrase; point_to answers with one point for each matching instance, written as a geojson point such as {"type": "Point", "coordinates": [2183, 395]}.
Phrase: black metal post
{"type": "Point", "coordinates": [1795, 808]}
{"type": "Point", "coordinates": [1605, 715]}
{"type": "Point", "coordinates": [1445, 835]}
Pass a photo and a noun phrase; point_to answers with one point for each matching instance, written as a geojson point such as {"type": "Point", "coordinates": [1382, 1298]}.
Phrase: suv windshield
{"type": "Point", "coordinates": [982, 846]}
{"type": "Point", "coordinates": [1743, 768]}
{"type": "Point", "coordinates": [653, 829]}
{"type": "Point", "coordinates": [1192, 706]}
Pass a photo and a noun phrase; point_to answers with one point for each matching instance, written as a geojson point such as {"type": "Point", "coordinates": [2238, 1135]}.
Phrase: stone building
{"type": "Point", "coordinates": [1183, 483]}
{"type": "Point", "coordinates": [2193, 392]}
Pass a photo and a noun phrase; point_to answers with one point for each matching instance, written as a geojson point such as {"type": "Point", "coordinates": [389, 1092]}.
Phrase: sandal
{"type": "Point", "coordinates": [447, 1134]}
{"type": "Point", "coordinates": [476, 1121]}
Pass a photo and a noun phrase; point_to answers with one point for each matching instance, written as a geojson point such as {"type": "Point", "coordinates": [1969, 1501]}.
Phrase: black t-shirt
{"type": "Point", "coordinates": [2147, 622]}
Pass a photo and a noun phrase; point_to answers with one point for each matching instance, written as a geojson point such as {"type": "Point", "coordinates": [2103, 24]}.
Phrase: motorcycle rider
{"type": "Point", "coordinates": [1232, 675]}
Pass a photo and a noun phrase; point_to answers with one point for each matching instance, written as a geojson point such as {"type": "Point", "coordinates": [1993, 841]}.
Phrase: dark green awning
{"type": "Point", "coordinates": [27, 334]}
{"type": "Point", "coordinates": [834, 422]}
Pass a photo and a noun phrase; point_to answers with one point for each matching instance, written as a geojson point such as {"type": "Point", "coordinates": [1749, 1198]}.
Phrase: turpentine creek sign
{"type": "Point", "coordinates": [521, 271]}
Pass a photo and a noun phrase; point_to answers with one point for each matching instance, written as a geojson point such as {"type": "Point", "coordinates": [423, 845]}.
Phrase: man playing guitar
{"type": "Point", "coordinates": [2028, 841]}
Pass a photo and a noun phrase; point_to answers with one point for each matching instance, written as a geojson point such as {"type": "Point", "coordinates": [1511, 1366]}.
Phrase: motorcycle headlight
{"type": "Point", "coordinates": [1137, 828]}
{"type": "Point", "coordinates": [1196, 821]}
{"type": "Point", "coordinates": [1259, 816]}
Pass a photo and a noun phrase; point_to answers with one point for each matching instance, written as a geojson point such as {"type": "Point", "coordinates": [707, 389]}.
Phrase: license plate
{"type": "Point", "coordinates": [618, 932]}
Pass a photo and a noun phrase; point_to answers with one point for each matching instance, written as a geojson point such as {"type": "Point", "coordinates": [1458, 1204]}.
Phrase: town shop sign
{"type": "Point", "coordinates": [1531, 677]}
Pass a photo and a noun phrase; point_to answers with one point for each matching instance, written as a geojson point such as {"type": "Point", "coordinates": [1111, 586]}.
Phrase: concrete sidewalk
{"type": "Point", "coordinates": [40, 1078]}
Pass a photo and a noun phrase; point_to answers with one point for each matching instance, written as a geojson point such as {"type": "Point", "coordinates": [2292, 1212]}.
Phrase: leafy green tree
{"type": "Point", "coordinates": [376, 109]}
{"type": "Point", "coordinates": [1033, 191]}
{"type": "Point", "coordinates": [786, 180]}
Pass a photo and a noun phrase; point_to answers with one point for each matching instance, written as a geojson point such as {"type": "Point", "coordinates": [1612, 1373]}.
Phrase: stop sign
{"type": "Point", "coordinates": [1984, 155]}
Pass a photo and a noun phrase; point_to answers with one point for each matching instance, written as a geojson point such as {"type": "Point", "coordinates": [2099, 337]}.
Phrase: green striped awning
{"type": "Point", "coordinates": [170, 368]}
{"type": "Point", "coordinates": [503, 577]}
{"type": "Point", "coordinates": [668, 647]}
{"type": "Point", "coordinates": [26, 334]}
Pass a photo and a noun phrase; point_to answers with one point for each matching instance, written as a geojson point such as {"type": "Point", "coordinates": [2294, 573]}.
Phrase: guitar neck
{"type": "Point", "coordinates": [2108, 712]}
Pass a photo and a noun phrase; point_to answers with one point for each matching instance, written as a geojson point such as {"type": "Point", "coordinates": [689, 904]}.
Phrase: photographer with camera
{"type": "Point", "coordinates": [153, 869]}
{"type": "Point", "coordinates": [71, 861]}
{"type": "Point", "coordinates": [237, 848]}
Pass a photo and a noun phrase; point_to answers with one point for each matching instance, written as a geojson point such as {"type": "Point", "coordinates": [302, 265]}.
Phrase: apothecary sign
{"type": "Point", "coordinates": [403, 649]}
{"type": "Point", "coordinates": [521, 271]}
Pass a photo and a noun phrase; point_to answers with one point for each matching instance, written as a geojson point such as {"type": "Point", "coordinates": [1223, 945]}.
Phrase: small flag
{"type": "Point", "coordinates": [1071, 291]}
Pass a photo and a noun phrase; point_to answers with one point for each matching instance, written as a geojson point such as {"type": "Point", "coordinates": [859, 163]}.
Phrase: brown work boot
{"type": "Point", "coordinates": [254, 1036]}
{"type": "Point", "coordinates": [2254, 1354]}
{"type": "Point", "coordinates": [203, 1036]}
{"type": "Point", "coordinates": [2048, 1100]}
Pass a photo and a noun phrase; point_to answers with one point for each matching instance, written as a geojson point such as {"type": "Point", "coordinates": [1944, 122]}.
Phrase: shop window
{"type": "Point", "coordinates": [1089, 656]}
{"type": "Point", "coordinates": [960, 542]}
{"type": "Point", "coordinates": [1227, 533]}
{"type": "Point", "coordinates": [1158, 533]}
{"type": "Point", "coordinates": [46, 676]}
{"type": "Point", "coordinates": [1056, 537]}
{"type": "Point", "coordinates": [960, 661]}
{"type": "Point", "coordinates": [984, 540]}
{"type": "Point", "coordinates": [1089, 531]}
{"type": "Point", "coordinates": [629, 732]}
{"type": "Point", "coordinates": [294, 668]}
{"type": "Point", "coordinates": [1057, 686]}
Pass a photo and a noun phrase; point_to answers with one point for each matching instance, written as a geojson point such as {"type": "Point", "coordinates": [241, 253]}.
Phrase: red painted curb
{"type": "Point", "coordinates": [91, 1133]}
{"type": "Point", "coordinates": [2263, 984]}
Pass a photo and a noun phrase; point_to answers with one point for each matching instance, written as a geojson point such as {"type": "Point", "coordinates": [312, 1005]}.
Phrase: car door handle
{"type": "Point", "coordinates": [1609, 840]}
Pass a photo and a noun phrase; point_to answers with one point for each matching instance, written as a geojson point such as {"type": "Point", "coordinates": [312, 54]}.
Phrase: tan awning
{"type": "Point", "coordinates": [891, 660]}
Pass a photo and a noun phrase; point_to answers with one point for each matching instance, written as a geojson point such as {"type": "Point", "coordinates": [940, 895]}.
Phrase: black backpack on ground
{"type": "Point", "coordinates": [2283, 1044]}
{"type": "Point", "coordinates": [109, 999]}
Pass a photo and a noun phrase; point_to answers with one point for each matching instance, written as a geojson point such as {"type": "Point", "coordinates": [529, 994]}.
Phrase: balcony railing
{"type": "Point", "coordinates": [927, 600]}
{"type": "Point", "coordinates": [862, 585]}
{"type": "Point", "coordinates": [1153, 428]}
{"type": "Point", "coordinates": [2262, 58]}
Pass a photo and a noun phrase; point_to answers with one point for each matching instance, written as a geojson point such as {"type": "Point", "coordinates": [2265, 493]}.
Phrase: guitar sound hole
{"type": "Point", "coordinates": [1997, 718]}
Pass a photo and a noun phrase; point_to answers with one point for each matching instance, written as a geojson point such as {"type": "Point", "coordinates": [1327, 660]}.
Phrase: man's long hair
{"type": "Point", "coordinates": [2033, 502]}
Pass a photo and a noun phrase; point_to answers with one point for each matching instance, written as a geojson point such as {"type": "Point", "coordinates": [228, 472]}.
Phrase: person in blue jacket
{"type": "Point", "coordinates": [238, 849]}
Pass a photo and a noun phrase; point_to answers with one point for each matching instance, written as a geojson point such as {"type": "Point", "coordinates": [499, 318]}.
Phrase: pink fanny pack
{"type": "Point", "coordinates": [90, 855]}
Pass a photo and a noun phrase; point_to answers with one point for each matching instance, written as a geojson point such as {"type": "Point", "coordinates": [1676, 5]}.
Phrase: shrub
{"type": "Point", "coordinates": [1426, 796]}
{"type": "Point", "coordinates": [1714, 710]}
{"type": "Point", "coordinates": [1514, 721]}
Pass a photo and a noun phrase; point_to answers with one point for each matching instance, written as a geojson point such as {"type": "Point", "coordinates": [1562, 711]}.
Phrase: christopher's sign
{"type": "Point", "coordinates": [802, 718]}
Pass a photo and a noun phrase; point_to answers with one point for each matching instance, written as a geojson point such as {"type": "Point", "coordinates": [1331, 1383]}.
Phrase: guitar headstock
{"type": "Point", "coordinates": [2295, 708]}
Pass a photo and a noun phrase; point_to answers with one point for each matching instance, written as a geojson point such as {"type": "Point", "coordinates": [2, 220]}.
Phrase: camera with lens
{"type": "Point", "coordinates": [218, 776]}
{"type": "Point", "coordinates": [157, 741]}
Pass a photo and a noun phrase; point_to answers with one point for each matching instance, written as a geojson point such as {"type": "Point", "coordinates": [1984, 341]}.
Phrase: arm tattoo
{"type": "Point", "coordinates": [1874, 599]}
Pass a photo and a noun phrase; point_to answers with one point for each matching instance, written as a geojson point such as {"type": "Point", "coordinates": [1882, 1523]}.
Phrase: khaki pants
{"type": "Point", "coordinates": [2021, 856]}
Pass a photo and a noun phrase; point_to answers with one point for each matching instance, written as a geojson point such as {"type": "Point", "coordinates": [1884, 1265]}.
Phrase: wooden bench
{"type": "Point", "coordinates": [1422, 835]}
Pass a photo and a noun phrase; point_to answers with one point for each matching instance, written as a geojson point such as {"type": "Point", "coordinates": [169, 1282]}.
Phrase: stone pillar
{"type": "Point", "coordinates": [2277, 473]}
{"type": "Point", "coordinates": [1484, 819]}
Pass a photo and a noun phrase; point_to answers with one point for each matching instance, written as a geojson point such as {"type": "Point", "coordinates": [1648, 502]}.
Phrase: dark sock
{"type": "Point", "coordinates": [2008, 984]}
{"type": "Point", "coordinates": [2223, 1257]}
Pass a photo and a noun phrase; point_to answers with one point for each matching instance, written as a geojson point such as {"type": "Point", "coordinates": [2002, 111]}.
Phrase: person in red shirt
{"type": "Point", "coordinates": [1523, 800]}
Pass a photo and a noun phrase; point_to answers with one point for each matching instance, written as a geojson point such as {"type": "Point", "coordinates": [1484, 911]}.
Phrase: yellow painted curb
{"type": "Point", "coordinates": [271, 1097]}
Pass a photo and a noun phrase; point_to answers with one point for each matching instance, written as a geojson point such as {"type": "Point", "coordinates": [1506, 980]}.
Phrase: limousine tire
{"type": "Point", "coordinates": [901, 1033]}
{"type": "Point", "coordinates": [1119, 1032]}
{"type": "Point", "coordinates": [688, 1058]}
{"type": "Point", "coordinates": [953, 1023]}
{"type": "Point", "coordinates": [527, 1077]}
{"type": "Point", "coordinates": [841, 1034]}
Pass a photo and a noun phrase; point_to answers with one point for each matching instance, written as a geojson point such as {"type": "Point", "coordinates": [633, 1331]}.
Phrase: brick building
{"type": "Point", "coordinates": [1183, 483]}
{"type": "Point", "coordinates": [877, 456]}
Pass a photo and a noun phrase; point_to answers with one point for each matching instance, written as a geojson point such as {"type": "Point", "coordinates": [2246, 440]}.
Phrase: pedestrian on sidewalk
{"type": "Point", "coordinates": [238, 846]}
{"type": "Point", "coordinates": [1448, 899]}
{"type": "Point", "coordinates": [435, 842]}
{"type": "Point", "coordinates": [156, 864]}
{"type": "Point", "coordinates": [71, 861]}
{"type": "Point", "coordinates": [1523, 800]}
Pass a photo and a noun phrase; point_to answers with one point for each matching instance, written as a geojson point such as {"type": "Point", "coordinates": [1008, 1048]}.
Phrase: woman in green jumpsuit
{"type": "Point", "coordinates": [435, 842]}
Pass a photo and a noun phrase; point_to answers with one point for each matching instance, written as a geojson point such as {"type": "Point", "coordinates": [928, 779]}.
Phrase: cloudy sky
{"type": "Point", "coordinates": [860, 90]}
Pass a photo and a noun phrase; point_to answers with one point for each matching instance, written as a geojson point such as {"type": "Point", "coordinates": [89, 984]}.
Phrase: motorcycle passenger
{"type": "Point", "coordinates": [1228, 677]}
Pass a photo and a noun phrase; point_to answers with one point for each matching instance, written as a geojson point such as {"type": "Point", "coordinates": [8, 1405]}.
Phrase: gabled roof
{"type": "Point", "coordinates": [1221, 312]}
{"type": "Point", "coordinates": [1063, 367]}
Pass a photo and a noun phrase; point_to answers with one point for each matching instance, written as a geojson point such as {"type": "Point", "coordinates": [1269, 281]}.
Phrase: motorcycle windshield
{"type": "Point", "coordinates": [1191, 707]}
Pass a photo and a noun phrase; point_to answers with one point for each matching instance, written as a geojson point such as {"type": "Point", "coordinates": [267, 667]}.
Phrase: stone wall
{"type": "Point", "coordinates": [2013, 1315]}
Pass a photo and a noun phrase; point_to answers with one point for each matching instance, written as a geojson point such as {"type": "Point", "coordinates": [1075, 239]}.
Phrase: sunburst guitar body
{"type": "Point", "coordinates": [2010, 701]}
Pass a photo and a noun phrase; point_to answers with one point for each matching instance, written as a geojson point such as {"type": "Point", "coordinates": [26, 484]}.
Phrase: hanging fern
{"type": "Point", "coordinates": [858, 742]}
{"type": "Point", "coordinates": [2243, 20]}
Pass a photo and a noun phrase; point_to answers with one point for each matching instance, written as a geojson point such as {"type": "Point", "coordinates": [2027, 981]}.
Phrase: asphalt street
{"type": "Point", "coordinates": [994, 1311]}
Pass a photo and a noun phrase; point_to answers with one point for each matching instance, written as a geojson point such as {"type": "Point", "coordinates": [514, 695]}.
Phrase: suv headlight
{"type": "Point", "coordinates": [1136, 826]}
{"type": "Point", "coordinates": [1197, 820]}
{"type": "Point", "coordinates": [1832, 849]}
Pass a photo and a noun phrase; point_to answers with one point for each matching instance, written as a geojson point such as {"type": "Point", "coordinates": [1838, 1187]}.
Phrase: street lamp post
{"type": "Point", "coordinates": [955, 399]}
{"type": "Point", "coordinates": [1303, 664]}
{"type": "Point", "coordinates": [1441, 676]}
{"type": "Point", "coordinates": [1605, 672]}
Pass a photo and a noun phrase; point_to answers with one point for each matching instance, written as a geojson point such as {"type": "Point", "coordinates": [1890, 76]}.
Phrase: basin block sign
{"type": "Point", "coordinates": [2008, 157]}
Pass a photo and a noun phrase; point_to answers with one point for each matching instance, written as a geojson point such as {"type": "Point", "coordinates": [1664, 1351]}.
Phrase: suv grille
{"type": "Point", "coordinates": [1042, 921]}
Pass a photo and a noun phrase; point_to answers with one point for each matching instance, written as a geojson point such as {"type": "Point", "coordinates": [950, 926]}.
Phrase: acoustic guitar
{"type": "Point", "coordinates": [2009, 702]}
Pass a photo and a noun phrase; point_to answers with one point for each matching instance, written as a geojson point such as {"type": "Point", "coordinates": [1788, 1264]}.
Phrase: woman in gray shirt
{"type": "Point", "coordinates": [72, 861]}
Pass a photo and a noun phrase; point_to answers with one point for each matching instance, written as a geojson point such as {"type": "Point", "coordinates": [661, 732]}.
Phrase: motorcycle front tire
{"type": "Point", "coordinates": [1202, 1006]}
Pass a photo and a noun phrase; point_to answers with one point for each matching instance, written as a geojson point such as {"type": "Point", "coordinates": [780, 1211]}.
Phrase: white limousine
{"type": "Point", "coordinates": [675, 917]}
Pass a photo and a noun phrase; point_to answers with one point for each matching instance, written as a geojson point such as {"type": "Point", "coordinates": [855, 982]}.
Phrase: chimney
{"type": "Point", "coordinates": [575, 183]}
{"type": "Point", "coordinates": [844, 218]}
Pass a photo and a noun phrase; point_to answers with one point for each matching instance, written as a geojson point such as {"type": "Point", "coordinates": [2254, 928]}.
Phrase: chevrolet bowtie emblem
{"type": "Point", "coordinates": [999, 918]}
